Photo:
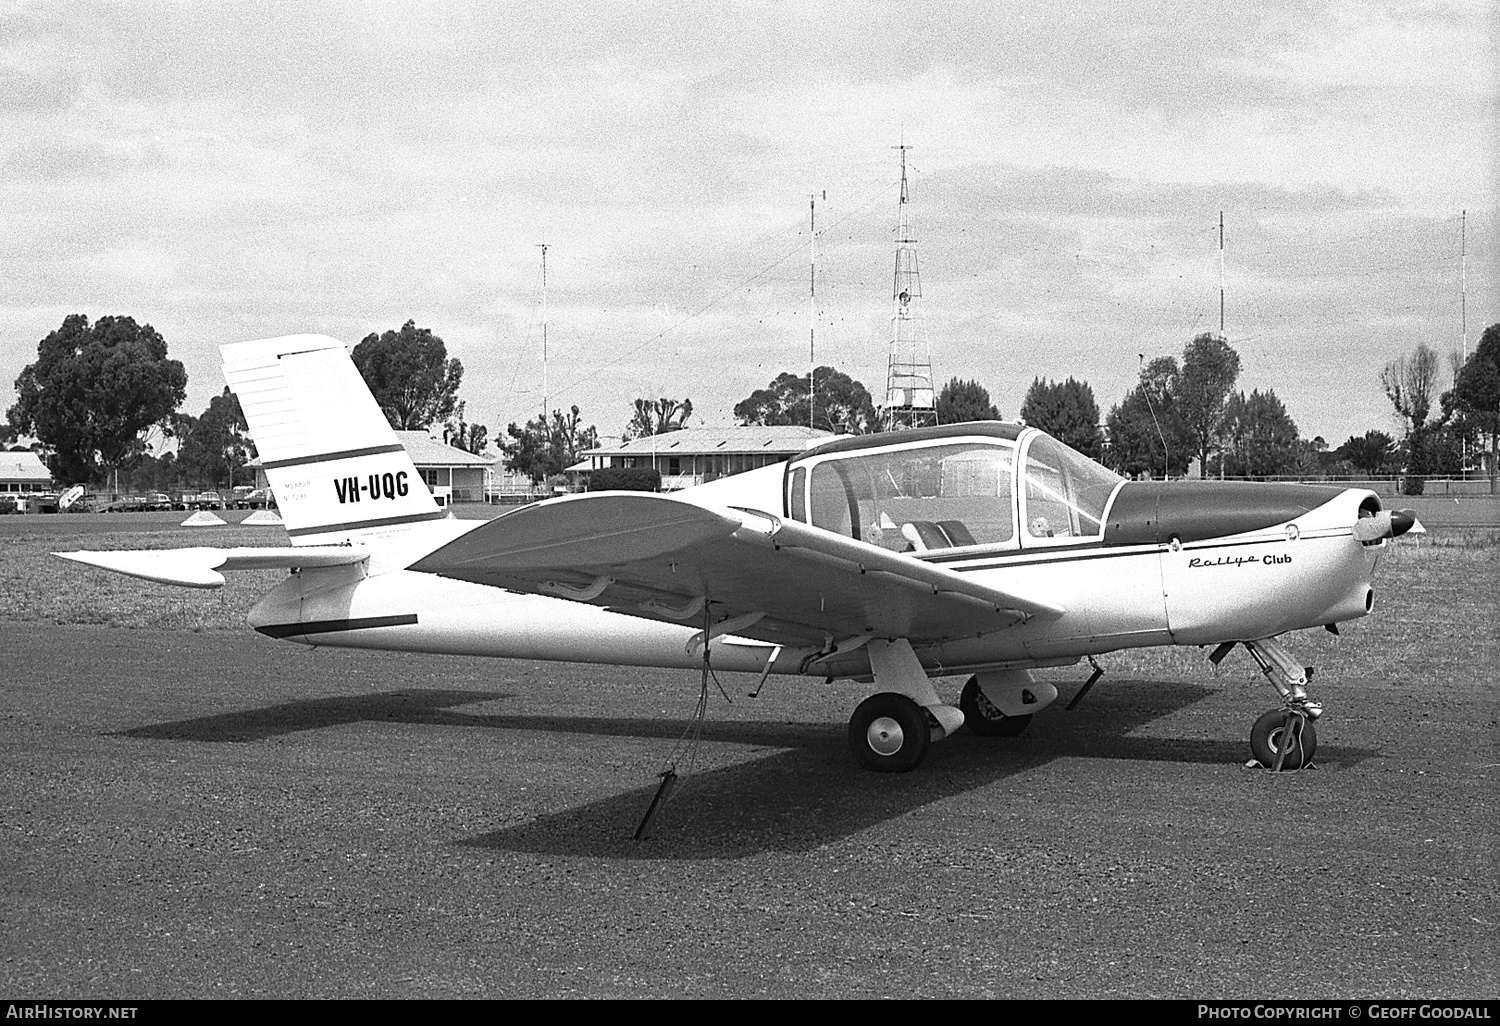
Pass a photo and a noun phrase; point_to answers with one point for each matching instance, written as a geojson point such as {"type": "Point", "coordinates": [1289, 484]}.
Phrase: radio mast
{"type": "Point", "coordinates": [908, 381]}
{"type": "Point", "coordinates": [1463, 280]}
{"type": "Point", "coordinates": [812, 303]}
{"type": "Point", "coordinates": [1221, 275]}
{"type": "Point", "coordinates": [543, 247]}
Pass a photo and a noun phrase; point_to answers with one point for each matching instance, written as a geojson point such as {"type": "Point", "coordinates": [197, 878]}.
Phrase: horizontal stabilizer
{"type": "Point", "coordinates": [199, 567]}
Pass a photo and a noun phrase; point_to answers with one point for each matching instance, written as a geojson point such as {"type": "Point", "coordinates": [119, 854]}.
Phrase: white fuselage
{"type": "Point", "coordinates": [1306, 572]}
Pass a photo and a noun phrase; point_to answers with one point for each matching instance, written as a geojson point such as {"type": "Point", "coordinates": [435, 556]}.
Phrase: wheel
{"type": "Point", "coordinates": [1266, 740]}
{"type": "Point", "coordinates": [888, 733]}
{"type": "Point", "coordinates": [985, 718]}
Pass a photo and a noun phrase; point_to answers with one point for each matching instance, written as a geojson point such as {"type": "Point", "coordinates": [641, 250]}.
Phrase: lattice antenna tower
{"type": "Point", "coordinates": [909, 397]}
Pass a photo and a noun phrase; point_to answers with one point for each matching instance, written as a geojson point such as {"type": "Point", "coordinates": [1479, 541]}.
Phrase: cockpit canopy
{"type": "Point", "coordinates": [953, 487]}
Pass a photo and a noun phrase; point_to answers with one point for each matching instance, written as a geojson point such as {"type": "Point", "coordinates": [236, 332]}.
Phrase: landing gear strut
{"type": "Point", "coordinates": [890, 732]}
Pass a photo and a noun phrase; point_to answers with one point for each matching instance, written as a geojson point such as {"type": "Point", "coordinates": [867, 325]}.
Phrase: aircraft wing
{"type": "Point", "coordinates": [199, 567]}
{"type": "Point", "coordinates": [770, 579]}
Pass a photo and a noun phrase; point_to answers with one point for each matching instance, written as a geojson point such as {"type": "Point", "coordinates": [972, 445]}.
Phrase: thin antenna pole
{"type": "Point", "coordinates": [1166, 457]}
{"type": "Point", "coordinates": [812, 304]}
{"type": "Point", "coordinates": [1463, 318]}
{"type": "Point", "coordinates": [543, 246]}
{"type": "Point", "coordinates": [1463, 279]}
{"type": "Point", "coordinates": [1221, 274]}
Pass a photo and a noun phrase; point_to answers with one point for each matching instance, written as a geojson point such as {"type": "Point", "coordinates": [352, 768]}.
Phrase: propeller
{"type": "Point", "coordinates": [1386, 524]}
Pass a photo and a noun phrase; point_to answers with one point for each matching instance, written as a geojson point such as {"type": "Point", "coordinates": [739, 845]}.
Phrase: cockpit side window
{"type": "Point", "coordinates": [833, 503]}
{"type": "Point", "coordinates": [916, 499]}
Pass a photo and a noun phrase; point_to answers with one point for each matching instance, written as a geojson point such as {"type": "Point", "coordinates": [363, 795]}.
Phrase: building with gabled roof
{"type": "Point", "coordinates": [23, 473]}
{"type": "Point", "coordinates": [448, 470]}
{"type": "Point", "coordinates": [696, 455]}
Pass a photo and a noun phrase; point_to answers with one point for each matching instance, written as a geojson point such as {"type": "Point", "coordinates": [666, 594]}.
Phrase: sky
{"type": "Point", "coordinates": [233, 171]}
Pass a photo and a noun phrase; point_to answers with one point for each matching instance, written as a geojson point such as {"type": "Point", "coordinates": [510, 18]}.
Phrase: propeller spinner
{"type": "Point", "coordinates": [1386, 524]}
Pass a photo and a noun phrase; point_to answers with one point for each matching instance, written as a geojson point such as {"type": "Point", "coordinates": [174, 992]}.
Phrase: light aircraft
{"type": "Point", "coordinates": [987, 549]}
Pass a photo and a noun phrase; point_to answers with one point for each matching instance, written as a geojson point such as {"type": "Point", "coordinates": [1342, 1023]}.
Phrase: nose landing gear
{"type": "Point", "coordinates": [1284, 738]}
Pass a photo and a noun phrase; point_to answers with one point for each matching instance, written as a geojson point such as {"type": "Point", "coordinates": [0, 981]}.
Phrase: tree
{"type": "Point", "coordinates": [963, 401]}
{"type": "Point", "coordinates": [1434, 450]}
{"type": "Point", "coordinates": [93, 390]}
{"type": "Point", "coordinates": [219, 445]}
{"type": "Point", "coordinates": [1210, 367]}
{"type": "Point", "coordinates": [657, 417]}
{"type": "Point", "coordinates": [1369, 453]}
{"type": "Point", "coordinates": [840, 403]}
{"type": "Point", "coordinates": [1066, 410]}
{"type": "Point", "coordinates": [1409, 383]}
{"type": "Point", "coordinates": [460, 434]}
{"type": "Point", "coordinates": [410, 375]}
{"type": "Point", "coordinates": [1146, 432]}
{"type": "Point", "coordinates": [543, 449]}
{"type": "Point", "coordinates": [1260, 437]}
{"type": "Point", "coordinates": [1477, 392]}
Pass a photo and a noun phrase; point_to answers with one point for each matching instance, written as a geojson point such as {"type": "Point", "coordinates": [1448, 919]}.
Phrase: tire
{"type": "Point", "coordinates": [889, 733]}
{"type": "Point", "coordinates": [1266, 738]}
{"type": "Point", "coordinates": [986, 719]}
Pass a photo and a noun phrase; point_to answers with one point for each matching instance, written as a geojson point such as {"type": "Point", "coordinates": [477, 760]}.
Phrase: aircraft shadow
{"type": "Point", "coordinates": [408, 706]}
{"type": "Point", "coordinates": [801, 798]}
{"type": "Point", "coordinates": [435, 707]}
{"type": "Point", "coordinates": [804, 792]}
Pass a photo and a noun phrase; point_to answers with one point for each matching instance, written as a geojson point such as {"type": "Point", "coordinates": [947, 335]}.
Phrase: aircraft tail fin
{"type": "Point", "coordinates": [338, 470]}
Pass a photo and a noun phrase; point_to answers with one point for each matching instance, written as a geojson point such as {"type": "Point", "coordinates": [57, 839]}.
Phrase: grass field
{"type": "Point", "coordinates": [35, 586]}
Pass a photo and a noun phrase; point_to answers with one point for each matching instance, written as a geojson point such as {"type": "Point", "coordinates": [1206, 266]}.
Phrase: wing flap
{"type": "Point", "coordinates": [199, 567]}
{"type": "Point", "coordinates": [663, 558]}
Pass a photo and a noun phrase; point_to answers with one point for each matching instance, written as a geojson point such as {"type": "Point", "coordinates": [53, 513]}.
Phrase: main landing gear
{"type": "Point", "coordinates": [1284, 738]}
{"type": "Point", "coordinates": [984, 717]}
{"type": "Point", "coordinates": [891, 732]}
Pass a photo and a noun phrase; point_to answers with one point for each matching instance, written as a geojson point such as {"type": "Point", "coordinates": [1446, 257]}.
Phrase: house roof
{"type": "Point", "coordinates": [427, 451]}
{"type": "Point", "coordinates": [709, 441]}
{"type": "Point", "coordinates": [23, 466]}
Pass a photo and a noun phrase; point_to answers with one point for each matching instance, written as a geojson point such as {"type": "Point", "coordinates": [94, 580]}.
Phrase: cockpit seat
{"type": "Point", "coordinates": [924, 535]}
{"type": "Point", "coordinates": [957, 533]}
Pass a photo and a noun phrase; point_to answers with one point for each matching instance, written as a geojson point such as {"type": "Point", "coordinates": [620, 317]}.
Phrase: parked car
{"type": "Point", "coordinates": [246, 497]}
{"type": "Point", "coordinates": [205, 500]}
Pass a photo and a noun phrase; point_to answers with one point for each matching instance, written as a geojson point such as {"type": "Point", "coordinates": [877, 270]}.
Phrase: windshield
{"type": "Point", "coordinates": [1066, 492]}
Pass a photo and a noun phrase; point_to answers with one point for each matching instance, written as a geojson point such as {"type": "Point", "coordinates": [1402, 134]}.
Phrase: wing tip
{"type": "Point", "coordinates": [185, 568]}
